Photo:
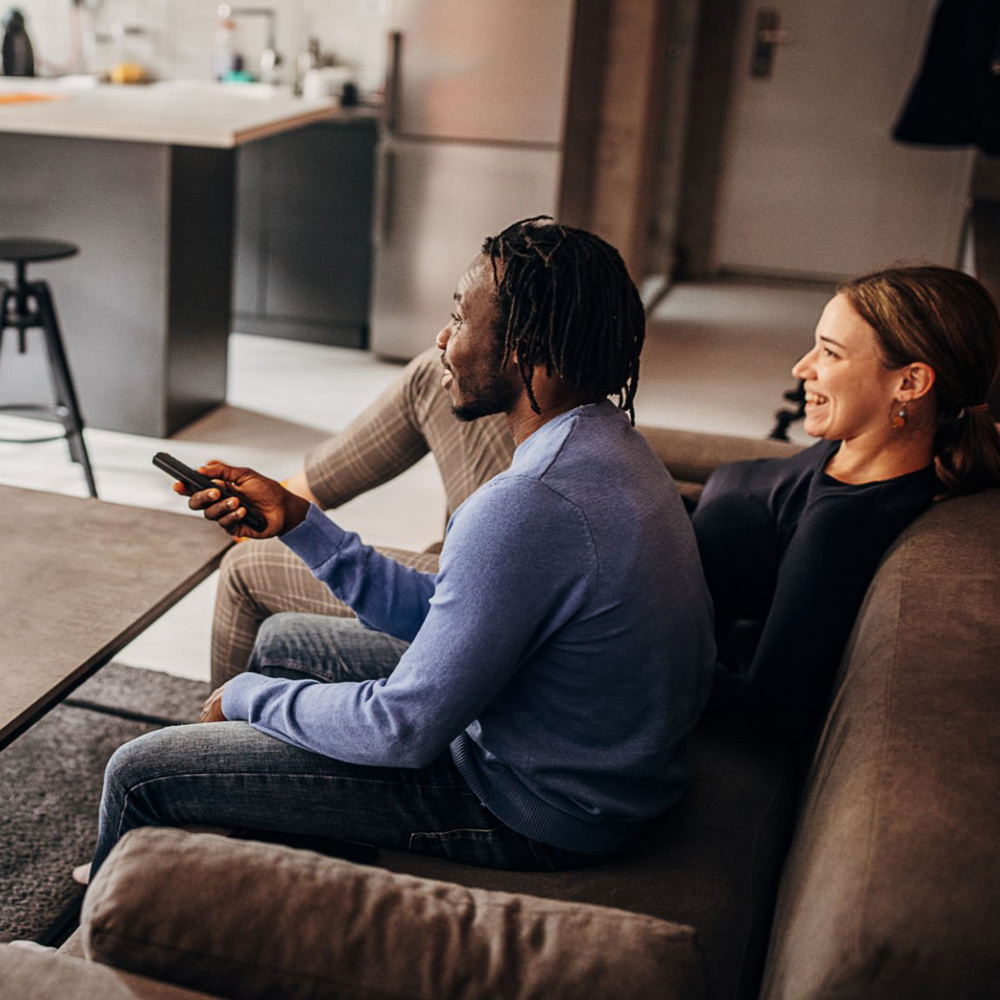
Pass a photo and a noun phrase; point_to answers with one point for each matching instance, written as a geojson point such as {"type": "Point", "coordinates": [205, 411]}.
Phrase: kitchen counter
{"type": "Point", "coordinates": [179, 112]}
{"type": "Point", "coordinates": [142, 178]}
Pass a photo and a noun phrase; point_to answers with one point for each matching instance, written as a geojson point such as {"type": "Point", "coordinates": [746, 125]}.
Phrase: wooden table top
{"type": "Point", "coordinates": [79, 579]}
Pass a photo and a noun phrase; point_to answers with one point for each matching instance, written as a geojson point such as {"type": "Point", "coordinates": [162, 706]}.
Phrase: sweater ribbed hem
{"type": "Point", "coordinates": [237, 693]}
{"type": "Point", "coordinates": [532, 817]}
{"type": "Point", "coordinates": [316, 540]}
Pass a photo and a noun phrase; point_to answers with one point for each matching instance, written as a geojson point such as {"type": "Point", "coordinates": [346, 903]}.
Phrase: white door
{"type": "Point", "coordinates": [812, 184]}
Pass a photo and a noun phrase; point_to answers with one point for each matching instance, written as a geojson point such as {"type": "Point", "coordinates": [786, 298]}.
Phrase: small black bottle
{"type": "Point", "coordinates": [18, 57]}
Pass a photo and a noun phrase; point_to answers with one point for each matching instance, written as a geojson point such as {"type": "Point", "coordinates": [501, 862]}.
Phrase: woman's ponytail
{"type": "Point", "coordinates": [967, 451]}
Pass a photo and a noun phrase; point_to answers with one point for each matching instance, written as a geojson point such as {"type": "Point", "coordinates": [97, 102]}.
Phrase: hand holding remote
{"type": "Point", "coordinates": [280, 509]}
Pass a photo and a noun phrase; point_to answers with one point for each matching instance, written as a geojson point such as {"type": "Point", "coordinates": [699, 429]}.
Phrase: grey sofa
{"type": "Point", "coordinates": [860, 863]}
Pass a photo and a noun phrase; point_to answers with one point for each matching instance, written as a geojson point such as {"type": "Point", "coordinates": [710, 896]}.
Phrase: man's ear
{"type": "Point", "coordinates": [916, 380]}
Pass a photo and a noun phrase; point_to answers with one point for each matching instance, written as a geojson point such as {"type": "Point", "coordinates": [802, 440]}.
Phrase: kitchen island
{"type": "Point", "coordinates": [142, 179]}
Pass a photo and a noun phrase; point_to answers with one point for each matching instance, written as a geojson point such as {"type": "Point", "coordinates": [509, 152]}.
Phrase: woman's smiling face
{"type": "Point", "coordinates": [849, 392]}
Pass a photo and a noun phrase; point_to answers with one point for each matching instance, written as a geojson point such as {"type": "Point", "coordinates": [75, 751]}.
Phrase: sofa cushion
{"type": "Point", "coordinates": [72, 947]}
{"type": "Point", "coordinates": [713, 861]}
{"type": "Point", "coordinates": [891, 888]}
{"type": "Point", "coordinates": [26, 975]}
{"type": "Point", "coordinates": [248, 920]}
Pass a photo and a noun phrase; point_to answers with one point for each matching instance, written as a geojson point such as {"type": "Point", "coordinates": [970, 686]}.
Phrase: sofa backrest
{"type": "Point", "coordinates": [891, 887]}
{"type": "Point", "coordinates": [691, 456]}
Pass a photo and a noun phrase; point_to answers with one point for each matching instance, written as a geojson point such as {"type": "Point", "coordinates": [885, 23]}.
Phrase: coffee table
{"type": "Point", "coordinates": [79, 579]}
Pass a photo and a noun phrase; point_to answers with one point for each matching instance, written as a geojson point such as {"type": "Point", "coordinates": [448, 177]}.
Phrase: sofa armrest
{"type": "Point", "coordinates": [890, 888]}
{"type": "Point", "coordinates": [691, 456]}
{"type": "Point", "coordinates": [28, 975]}
{"type": "Point", "coordinates": [244, 919]}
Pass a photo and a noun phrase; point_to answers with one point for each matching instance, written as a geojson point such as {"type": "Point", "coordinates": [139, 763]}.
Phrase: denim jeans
{"type": "Point", "coordinates": [229, 774]}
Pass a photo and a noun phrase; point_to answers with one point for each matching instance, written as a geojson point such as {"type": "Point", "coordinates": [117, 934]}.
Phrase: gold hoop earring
{"type": "Point", "coordinates": [898, 419]}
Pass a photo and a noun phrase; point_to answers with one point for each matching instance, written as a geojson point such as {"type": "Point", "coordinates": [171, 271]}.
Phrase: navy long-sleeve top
{"type": "Point", "coordinates": [788, 553]}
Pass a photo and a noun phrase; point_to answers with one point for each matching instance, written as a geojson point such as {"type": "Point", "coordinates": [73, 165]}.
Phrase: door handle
{"type": "Point", "coordinates": [387, 196]}
{"type": "Point", "coordinates": [392, 81]}
{"type": "Point", "coordinates": [767, 34]}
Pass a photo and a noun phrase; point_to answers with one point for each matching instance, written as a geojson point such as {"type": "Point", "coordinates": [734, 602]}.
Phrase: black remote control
{"type": "Point", "coordinates": [196, 481]}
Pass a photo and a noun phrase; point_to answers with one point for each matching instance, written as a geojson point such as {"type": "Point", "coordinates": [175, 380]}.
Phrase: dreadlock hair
{"type": "Point", "coordinates": [566, 301]}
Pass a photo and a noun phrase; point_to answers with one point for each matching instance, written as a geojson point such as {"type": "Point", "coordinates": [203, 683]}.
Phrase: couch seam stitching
{"type": "Point", "coordinates": [883, 740]}
{"type": "Point", "coordinates": [753, 855]}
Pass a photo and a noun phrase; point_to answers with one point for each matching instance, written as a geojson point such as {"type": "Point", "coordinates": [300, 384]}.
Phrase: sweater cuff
{"type": "Point", "coordinates": [316, 539]}
{"type": "Point", "coordinates": [239, 692]}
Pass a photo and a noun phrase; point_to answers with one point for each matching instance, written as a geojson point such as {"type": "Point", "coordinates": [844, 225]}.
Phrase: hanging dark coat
{"type": "Point", "coordinates": [955, 100]}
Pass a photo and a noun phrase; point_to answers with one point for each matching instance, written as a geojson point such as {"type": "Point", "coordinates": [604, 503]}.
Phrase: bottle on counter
{"type": "Point", "coordinates": [225, 59]}
{"type": "Point", "coordinates": [18, 56]}
{"type": "Point", "coordinates": [306, 60]}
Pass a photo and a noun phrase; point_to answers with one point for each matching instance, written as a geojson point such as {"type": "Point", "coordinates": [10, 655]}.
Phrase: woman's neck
{"type": "Point", "coordinates": [858, 461]}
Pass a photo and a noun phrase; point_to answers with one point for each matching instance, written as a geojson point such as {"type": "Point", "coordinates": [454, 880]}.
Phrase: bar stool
{"type": "Point", "coordinates": [26, 305]}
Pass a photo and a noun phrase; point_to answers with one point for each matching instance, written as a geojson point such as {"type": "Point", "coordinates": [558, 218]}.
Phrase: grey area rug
{"type": "Point", "coordinates": [50, 787]}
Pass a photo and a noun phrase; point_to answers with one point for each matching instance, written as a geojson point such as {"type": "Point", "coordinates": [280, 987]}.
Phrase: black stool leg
{"type": "Point", "coordinates": [62, 381]}
{"type": "Point", "coordinates": [5, 295]}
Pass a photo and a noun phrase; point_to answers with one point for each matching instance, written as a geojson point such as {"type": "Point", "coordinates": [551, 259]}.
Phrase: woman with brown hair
{"type": "Point", "coordinates": [895, 387]}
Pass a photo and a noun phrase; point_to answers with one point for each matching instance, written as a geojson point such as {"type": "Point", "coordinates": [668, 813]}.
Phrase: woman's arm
{"type": "Point", "coordinates": [820, 585]}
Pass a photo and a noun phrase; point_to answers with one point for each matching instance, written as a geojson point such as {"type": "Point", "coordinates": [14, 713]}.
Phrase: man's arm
{"type": "Point", "coordinates": [382, 592]}
{"type": "Point", "coordinates": [506, 583]}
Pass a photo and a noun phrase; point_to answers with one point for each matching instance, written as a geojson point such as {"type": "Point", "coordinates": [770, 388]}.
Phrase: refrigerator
{"type": "Point", "coordinates": [471, 141]}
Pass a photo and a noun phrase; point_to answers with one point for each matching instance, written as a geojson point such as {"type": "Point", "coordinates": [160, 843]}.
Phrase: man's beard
{"type": "Point", "coordinates": [496, 393]}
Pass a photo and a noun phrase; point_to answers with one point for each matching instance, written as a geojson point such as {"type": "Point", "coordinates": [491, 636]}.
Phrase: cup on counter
{"type": "Point", "coordinates": [325, 82]}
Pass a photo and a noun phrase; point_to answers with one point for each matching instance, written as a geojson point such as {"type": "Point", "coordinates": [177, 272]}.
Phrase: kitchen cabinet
{"type": "Point", "coordinates": [304, 233]}
{"type": "Point", "coordinates": [142, 180]}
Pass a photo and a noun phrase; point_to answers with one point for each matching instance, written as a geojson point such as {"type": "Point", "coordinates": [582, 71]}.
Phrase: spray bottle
{"type": "Point", "coordinates": [18, 56]}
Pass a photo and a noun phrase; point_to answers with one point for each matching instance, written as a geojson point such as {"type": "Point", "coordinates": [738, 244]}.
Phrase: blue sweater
{"type": "Point", "coordinates": [563, 652]}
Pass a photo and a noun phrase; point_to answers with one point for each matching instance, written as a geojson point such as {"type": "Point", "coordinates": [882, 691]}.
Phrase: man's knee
{"type": "Point", "coordinates": [288, 636]}
{"type": "Point", "coordinates": [175, 752]}
{"type": "Point", "coordinates": [136, 763]}
{"type": "Point", "coordinates": [323, 647]}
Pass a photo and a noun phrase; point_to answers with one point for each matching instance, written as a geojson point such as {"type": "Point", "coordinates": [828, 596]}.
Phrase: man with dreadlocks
{"type": "Point", "coordinates": [530, 705]}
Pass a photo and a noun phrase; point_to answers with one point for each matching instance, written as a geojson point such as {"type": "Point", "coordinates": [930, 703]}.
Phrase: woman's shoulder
{"type": "Point", "coordinates": [768, 473]}
{"type": "Point", "coordinates": [878, 507]}
{"type": "Point", "coordinates": [920, 484]}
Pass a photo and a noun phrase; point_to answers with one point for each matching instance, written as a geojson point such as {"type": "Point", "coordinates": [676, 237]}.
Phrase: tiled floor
{"type": "Point", "coordinates": [717, 358]}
